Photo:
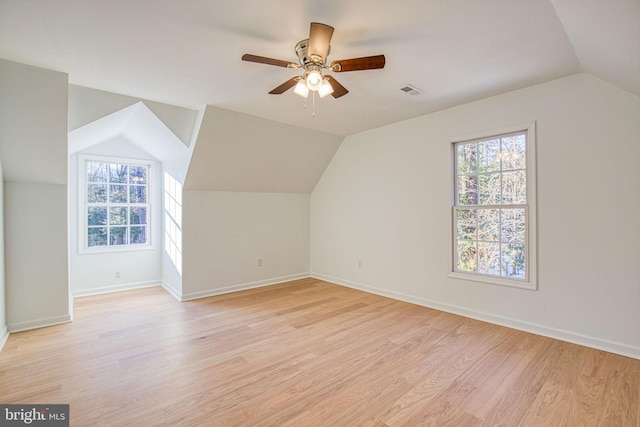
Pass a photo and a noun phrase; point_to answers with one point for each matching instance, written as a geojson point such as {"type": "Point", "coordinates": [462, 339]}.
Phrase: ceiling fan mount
{"type": "Point", "coordinates": [312, 56]}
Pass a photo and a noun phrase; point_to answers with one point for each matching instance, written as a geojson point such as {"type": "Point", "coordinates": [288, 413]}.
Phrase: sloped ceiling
{"type": "Point", "coordinates": [188, 53]}
{"type": "Point", "coordinates": [87, 105]}
{"type": "Point", "coordinates": [137, 125]}
{"type": "Point", "coordinates": [238, 152]}
{"type": "Point", "coordinates": [606, 38]}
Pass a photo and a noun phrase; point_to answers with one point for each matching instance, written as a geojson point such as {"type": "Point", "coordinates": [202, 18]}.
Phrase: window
{"type": "Point", "coordinates": [493, 215]}
{"type": "Point", "coordinates": [116, 209]}
{"type": "Point", "coordinates": [173, 221]}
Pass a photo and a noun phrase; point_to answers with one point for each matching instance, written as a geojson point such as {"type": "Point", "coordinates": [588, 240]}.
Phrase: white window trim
{"type": "Point", "coordinates": [83, 249]}
{"type": "Point", "coordinates": [531, 281]}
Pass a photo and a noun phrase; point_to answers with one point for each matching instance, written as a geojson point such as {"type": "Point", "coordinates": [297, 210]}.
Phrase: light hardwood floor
{"type": "Point", "coordinates": [308, 353]}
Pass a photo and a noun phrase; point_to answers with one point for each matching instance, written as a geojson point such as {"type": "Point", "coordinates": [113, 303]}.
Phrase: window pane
{"type": "Point", "coordinates": [468, 190]}
{"type": "Point", "coordinates": [466, 260]}
{"type": "Point", "coordinates": [513, 225]}
{"type": "Point", "coordinates": [138, 216]}
{"type": "Point", "coordinates": [514, 188]}
{"type": "Point", "coordinates": [96, 215]}
{"type": "Point", "coordinates": [117, 173]}
{"type": "Point", "coordinates": [138, 194]}
{"type": "Point", "coordinates": [97, 236]}
{"type": "Point", "coordinates": [489, 225]}
{"type": "Point", "coordinates": [96, 172]}
{"type": "Point", "coordinates": [489, 156]}
{"type": "Point", "coordinates": [111, 188]}
{"type": "Point", "coordinates": [513, 261]}
{"type": "Point", "coordinates": [514, 152]}
{"type": "Point", "coordinates": [467, 158]}
{"type": "Point", "coordinates": [138, 235]}
{"type": "Point", "coordinates": [467, 224]}
{"type": "Point", "coordinates": [97, 193]}
{"type": "Point", "coordinates": [137, 175]}
{"type": "Point", "coordinates": [490, 213]}
{"type": "Point", "coordinates": [118, 194]}
{"type": "Point", "coordinates": [489, 258]}
{"type": "Point", "coordinates": [490, 189]}
{"type": "Point", "coordinates": [118, 216]}
{"type": "Point", "coordinates": [118, 236]}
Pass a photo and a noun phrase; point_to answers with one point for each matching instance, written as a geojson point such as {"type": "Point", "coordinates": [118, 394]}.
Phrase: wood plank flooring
{"type": "Point", "coordinates": [308, 353]}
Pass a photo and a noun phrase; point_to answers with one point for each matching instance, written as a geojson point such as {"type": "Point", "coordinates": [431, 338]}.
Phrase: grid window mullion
{"type": "Point", "coordinates": [486, 188]}
{"type": "Point", "coordinates": [118, 179]}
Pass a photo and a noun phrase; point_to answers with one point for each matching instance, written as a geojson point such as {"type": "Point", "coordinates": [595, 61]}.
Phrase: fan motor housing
{"type": "Point", "coordinates": [302, 48]}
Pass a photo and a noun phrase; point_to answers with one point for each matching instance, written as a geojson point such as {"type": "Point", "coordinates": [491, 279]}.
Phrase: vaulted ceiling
{"type": "Point", "coordinates": [188, 53]}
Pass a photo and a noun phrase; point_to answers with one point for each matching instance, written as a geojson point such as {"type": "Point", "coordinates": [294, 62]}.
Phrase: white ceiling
{"type": "Point", "coordinates": [187, 53]}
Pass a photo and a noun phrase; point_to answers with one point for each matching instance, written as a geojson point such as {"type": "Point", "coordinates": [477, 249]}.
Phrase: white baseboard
{"type": "Point", "coordinates": [560, 334]}
{"type": "Point", "coordinates": [114, 288]}
{"type": "Point", "coordinates": [173, 292]}
{"type": "Point", "coordinates": [4, 336]}
{"type": "Point", "coordinates": [39, 323]}
{"type": "Point", "coordinates": [241, 287]}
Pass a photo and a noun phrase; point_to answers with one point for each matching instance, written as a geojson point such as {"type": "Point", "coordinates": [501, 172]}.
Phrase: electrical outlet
{"type": "Point", "coordinates": [359, 263]}
{"type": "Point", "coordinates": [117, 274]}
{"type": "Point", "coordinates": [259, 262]}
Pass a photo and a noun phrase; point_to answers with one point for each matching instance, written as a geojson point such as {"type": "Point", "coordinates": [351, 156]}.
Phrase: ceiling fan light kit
{"type": "Point", "coordinates": [325, 88]}
{"type": "Point", "coordinates": [301, 88]}
{"type": "Point", "coordinates": [312, 59]}
{"type": "Point", "coordinates": [314, 78]}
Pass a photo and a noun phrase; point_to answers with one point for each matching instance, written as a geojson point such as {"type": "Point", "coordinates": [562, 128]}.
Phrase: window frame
{"type": "Point", "coordinates": [83, 247]}
{"type": "Point", "coordinates": [530, 282]}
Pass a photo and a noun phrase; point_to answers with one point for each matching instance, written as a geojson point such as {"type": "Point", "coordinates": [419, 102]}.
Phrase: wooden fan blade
{"type": "Point", "coordinates": [269, 61]}
{"type": "Point", "coordinates": [356, 64]}
{"type": "Point", "coordinates": [285, 86]}
{"type": "Point", "coordinates": [319, 40]}
{"type": "Point", "coordinates": [338, 89]}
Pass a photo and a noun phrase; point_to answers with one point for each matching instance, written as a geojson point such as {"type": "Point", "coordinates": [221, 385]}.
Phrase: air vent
{"type": "Point", "coordinates": [411, 90]}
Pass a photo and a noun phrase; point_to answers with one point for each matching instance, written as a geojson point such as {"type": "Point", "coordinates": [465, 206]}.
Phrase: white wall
{"type": "Point", "coordinates": [175, 173]}
{"type": "Point", "coordinates": [36, 255]}
{"type": "Point", "coordinates": [92, 273]}
{"type": "Point", "coordinates": [33, 148]}
{"type": "Point", "coordinates": [246, 196]}
{"type": "Point", "coordinates": [225, 233]}
{"type": "Point", "coordinates": [385, 200]}
{"type": "Point", "coordinates": [4, 330]}
{"type": "Point", "coordinates": [153, 129]}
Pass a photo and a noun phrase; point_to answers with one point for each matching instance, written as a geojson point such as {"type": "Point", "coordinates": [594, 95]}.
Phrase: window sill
{"type": "Point", "coordinates": [116, 249]}
{"type": "Point", "coordinates": [520, 284]}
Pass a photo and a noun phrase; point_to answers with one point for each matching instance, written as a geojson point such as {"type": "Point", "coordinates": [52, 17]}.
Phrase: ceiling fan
{"type": "Point", "coordinates": [312, 59]}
